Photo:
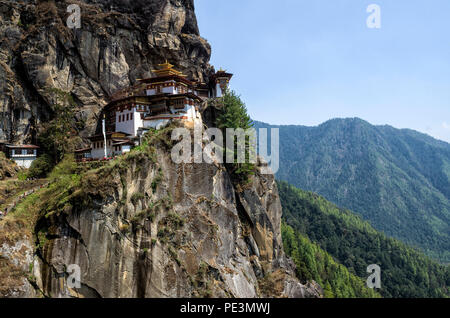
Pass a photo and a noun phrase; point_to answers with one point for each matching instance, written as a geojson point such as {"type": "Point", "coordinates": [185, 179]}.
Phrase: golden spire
{"type": "Point", "coordinates": [167, 70]}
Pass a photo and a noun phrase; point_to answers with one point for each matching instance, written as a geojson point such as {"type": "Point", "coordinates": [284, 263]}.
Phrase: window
{"type": "Point", "coordinates": [131, 116]}
{"type": "Point", "coordinates": [128, 117]}
{"type": "Point", "coordinates": [120, 117]}
{"type": "Point", "coordinates": [30, 152]}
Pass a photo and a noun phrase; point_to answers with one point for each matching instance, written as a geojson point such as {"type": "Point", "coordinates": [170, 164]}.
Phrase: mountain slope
{"type": "Point", "coordinates": [314, 263]}
{"type": "Point", "coordinates": [399, 180]}
{"type": "Point", "coordinates": [355, 244]}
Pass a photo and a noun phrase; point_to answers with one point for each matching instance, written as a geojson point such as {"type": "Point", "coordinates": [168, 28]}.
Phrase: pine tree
{"type": "Point", "coordinates": [234, 115]}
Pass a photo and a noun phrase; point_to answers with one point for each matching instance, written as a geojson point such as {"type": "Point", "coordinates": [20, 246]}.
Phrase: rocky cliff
{"type": "Point", "coordinates": [143, 226]}
{"type": "Point", "coordinates": [118, 42]}
{"type": "Point", "coordinates": [140, 225]}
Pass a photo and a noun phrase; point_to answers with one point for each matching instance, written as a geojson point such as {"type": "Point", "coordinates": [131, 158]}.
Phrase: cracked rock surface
{"type": "Point", "coordinates": [118, 43]}
{"type": "Point", "coordinates": [161, 229]}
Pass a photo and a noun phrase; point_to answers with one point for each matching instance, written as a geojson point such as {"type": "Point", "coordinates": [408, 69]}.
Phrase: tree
{"type": "Point", "coordinates": [40, 167]}
{"type": "Point", "coordinates": [234, 115]}
{"type": "Point", "coordinates": [343, 236]}
{"type": "Point", "coordinates": [60, 134]}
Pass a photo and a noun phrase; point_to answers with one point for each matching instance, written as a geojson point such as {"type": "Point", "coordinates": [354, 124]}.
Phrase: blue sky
{"type": "Point", "coordinates": [304, 62]}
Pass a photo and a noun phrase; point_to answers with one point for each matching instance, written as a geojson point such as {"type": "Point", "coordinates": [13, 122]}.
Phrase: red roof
{"type": "Point", "coordinates": [124, 142]}
{"type": "Point", "coordinates": [108, 135]}
{"type": "Point", "coordinates": [83, 150]}
{"type": "Point", "coordinates": [220, 74]}
{"type": "Point", "coordinates": [22, 146]}
{"type": "Point", "coordinates": [166, 78]}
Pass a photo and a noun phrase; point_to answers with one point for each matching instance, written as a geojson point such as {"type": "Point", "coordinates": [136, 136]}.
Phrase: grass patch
{"type": "Point", "coordinates": [136, 197]}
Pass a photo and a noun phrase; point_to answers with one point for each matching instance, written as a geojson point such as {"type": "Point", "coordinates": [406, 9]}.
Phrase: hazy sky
{"type": "Point", "coordinates": [304, 62]}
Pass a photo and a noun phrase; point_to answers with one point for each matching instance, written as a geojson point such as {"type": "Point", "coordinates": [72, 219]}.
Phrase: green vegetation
{"type": "Point", "coordinates": [355, 244]}
{"type": "Point", "coordinates": [313, 263]}
{"type": "Point", "coordinates": [22, 176]}
{"type": "Point", "coordinates": [8, 168]}
{"type": "Point", "coordinates": [60, 135]}
{"type": "Point", "coordinates": [168, 227]}
{"type": "Point", "coordinates": [136, 197]}
{"type": "Point", "coordinates": [157, 180]}
{"type": "Point", "coordinates": [398, 180]}
{"type": "Point", "coordinates": [26, 212]}
{"type": "Point", "coordinates": [234, 115]}
{"type": "Point", "coordinates": [40, 167]}
{"type": "Point", "coordinates": [202, 281]}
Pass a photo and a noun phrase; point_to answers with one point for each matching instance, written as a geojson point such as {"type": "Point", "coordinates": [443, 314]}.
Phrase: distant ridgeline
{"type": "Point", "coordinates": [398, 180]}
{"type": "Point", "coordinates": [353, 243]}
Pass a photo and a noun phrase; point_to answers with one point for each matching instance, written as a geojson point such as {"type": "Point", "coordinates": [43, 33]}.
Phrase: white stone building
{"type": "Point", "coordinates": [154, 103]}
{"type": "Point", "coordinates": [23, 155]}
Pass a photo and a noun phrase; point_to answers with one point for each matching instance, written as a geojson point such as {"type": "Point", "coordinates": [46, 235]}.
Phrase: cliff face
{"type": "Point", "coordinates": [158, 229]}
{"type": "Point", "coordinates": [118, 42]}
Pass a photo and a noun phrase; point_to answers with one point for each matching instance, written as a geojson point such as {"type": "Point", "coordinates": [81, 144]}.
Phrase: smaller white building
{"type": "Point", "coordinates": [117, 143]}
{"type": "Point", "coordinates": [23, 155]}
{"type": "Point", "coordinates": [221, 81]}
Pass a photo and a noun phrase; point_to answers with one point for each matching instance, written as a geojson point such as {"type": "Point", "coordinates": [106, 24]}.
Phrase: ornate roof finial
{"type": "Point", "coordinates": [167, 70]}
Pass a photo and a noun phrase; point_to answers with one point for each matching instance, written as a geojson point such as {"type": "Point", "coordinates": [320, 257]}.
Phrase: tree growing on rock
{"type": "Point", "coordinates": [234, 115]}
{"type": "Point", "coordinates": [59, 136]}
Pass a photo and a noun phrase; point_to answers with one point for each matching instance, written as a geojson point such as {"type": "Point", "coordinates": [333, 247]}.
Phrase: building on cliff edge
{"type": "Point", "coordinates": [152, 103]}
{"type": "Point", "coordinates": [23, 155]}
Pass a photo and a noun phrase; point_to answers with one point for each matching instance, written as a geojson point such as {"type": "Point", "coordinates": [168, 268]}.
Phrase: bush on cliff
{"type": "Point", "coordinates": [40, 167]}
{"type": "Point", "coordinates": [8, 168]}
{"type": "Point", "coordinates": [60, 135]}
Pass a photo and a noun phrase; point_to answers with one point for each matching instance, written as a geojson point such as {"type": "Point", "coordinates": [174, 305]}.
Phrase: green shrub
{"type": "Point", "coordinates": [136, 197]}
{"type": "Point", "coordinates": [60, 135]}
{"type": "Point", "coordinates": [22, 175]}
{"type": "Point", "coordinates": [157, 180]}
{"type": "Point", "coordinates": [66, 167]}
{"type": "Point", "coordinates": [41, 167]}
{"type": "Point", "coordinates": [151, 215]}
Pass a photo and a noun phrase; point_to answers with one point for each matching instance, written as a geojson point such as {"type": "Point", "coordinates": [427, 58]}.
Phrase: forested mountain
{"type": "Point", "coordinates": [314, 263]}
{"type": "Point", "coordinates": [398, 180]}
{"type": "Point", "coordinates": [355, 244]}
